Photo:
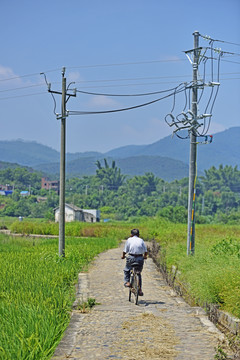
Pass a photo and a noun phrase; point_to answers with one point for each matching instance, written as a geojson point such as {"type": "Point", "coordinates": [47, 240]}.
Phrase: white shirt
{"type": "Point", "coordinates": [135, 245]}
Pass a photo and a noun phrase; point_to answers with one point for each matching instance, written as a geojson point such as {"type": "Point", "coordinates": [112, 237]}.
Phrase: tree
{"type": "Point", "coordinates": [111, 177]}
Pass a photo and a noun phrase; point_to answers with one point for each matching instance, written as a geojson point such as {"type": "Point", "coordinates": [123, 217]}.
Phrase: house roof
{"type": "Point", "coordinates": [75, 208]}
{"type": "Point", "coordinates": [71, 206]}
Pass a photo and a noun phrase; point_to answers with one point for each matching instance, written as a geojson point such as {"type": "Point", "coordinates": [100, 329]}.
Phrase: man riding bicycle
{"type": "Point", "coordinates": [136, 251]}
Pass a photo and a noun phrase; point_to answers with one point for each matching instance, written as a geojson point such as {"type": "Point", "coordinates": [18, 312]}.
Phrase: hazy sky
{"type": "Point", "coordinates": [110, 47]}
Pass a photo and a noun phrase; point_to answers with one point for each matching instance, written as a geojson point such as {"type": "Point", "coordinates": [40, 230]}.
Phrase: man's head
{"type": "Point", "coordinates": [135, 232]}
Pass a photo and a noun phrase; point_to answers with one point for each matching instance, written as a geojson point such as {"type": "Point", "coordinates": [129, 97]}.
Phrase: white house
{"type": "Point", "coordinates": [95, 213]}
{"type": "Point", "coordinates": [74, 213]}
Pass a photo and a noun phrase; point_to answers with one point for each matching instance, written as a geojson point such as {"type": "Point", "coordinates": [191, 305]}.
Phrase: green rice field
{"type": "Point", "coordinates": [37, 291]}
{"type": "Point", "coordinates": [37, 288]}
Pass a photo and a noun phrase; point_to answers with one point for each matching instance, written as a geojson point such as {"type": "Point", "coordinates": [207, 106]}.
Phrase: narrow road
{"type": "Point", "coordinates": [162, 326]}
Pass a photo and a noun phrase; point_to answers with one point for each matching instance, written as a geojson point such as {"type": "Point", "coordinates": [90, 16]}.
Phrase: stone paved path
{"type": "Point", "coordinates": [162, 326]}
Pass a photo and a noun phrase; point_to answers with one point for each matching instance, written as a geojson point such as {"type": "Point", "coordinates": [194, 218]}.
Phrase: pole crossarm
{"type": "Point", "coordinates": [60, 93]}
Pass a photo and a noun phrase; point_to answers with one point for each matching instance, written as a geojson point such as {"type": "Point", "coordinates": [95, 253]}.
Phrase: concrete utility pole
{"type": "Point", "coordinates": [193, 151]}
{"type": "Point", "coordinates": [61, 246]}
{"type": "Point", "coordinates": [63, 116]}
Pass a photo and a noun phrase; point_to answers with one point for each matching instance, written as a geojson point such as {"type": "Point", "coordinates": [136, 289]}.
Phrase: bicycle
{"type": "Point", "coordinates": [134, 282]}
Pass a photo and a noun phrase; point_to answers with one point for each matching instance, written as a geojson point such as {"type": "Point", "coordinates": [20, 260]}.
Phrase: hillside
{"type": "Point", "coordinates": [6, 165]}
{"type": "Point", "coordinates": [27, 153]}
{"type": "Point", "coordinates": [167, 158]}
{"type": "Point", "coordinates": [225, 149]}
{"type": "Point", "coordinates": [165, 168]}
{"type": "Point", "coordinates": [31, 153]}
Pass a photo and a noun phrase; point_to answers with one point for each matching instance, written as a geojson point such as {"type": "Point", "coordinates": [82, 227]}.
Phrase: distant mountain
{"type": "Point", "coordinates": [31, 153]}
{"type": "Point", "coordinates": [6, 165]}
{"type": "Point", "coordinates": [167, 158]}
{"type": "Point", "coordinates": [225, 149]}
{"type": "Point", "coordinates": [165, 168]}
{"type": "Point", "coordinates": [27, 153]}
{"type": "Point", "coordinates": [162, 167]}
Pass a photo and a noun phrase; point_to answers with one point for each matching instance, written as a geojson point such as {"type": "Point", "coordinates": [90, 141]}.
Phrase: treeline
{"type": "Point", "coordinates": [122, 198]}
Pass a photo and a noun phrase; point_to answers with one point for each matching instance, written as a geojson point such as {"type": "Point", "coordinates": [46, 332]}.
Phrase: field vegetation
{"type": "Point", "coordinates": [120, 197]}
{"type": "Point", "coordinates": [212, 274]}
{"type": "Point", "coordinates": [37, 289]}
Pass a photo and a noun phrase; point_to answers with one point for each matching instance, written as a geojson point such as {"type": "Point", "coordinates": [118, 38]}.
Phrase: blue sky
{"type": "Point", "coordinates": [113, 47]}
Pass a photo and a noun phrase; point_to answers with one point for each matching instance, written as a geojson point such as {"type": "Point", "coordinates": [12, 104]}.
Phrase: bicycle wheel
{"type": "Point", "coordinates": [136, 287]}
{"type": "Point", "coordinates": [130, 288]}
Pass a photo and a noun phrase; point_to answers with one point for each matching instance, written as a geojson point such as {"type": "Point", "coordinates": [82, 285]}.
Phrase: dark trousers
{"type": "Point", "coordinates": [129, 261]}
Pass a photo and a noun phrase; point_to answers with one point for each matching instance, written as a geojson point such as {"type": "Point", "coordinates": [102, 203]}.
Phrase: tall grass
{"type": "Point", "coordinates": [37, 291]}
{"type": "Point", "coordinates": [212, 274]}
{"type": "Point", "coordinates": [79, 229]}
{"type": "Point", "coordinates": [37, 288]}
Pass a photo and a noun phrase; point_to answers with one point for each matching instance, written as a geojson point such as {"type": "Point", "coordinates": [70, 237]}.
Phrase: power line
{"type": "Point", "coordinates": [142, 84]}
{"type": "Point", "coordinates": [117, 85]}
{"type": "Point", "coordinates": [126, 63]}
{"type": "Point", "coordinates": [27, 75]}
{"type": "Point", "coordinates": [233, 62]}
{"type": "Point", "coordinates": [113, 80]}
{"type": "Point", "coordinates": [206, 37]}
{"type": "Point", "coordinates": [94, 66]}
{"type": "Point", "coordinates": [23, 87]}
{"type": "Point", "coordinates": [143, 94]}
{"type": "Point", "coordinates": [20, 96]}
{"type": "Point", "coordinates": [71, 112]}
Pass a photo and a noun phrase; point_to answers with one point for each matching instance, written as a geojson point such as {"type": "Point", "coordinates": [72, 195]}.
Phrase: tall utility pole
{"type": "Point", "coordinates": [193, 151]}
{"type": "Point", "coordinates": [61, 245]}
{"type": "Point", "coordinates": [62, 117]}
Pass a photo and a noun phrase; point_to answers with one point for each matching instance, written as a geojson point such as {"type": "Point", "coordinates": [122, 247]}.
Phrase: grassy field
{"type": "Point", "coordinates": [212, 274]}
{"type": "Point", "coordinates": [37, 288]}
{"type": "Point", "coordinates": [37, 291]}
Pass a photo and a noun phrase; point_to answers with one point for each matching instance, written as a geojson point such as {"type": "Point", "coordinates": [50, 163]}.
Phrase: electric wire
{"type": "Point", "coordinates": [143, 84]}
{"type": "Point", "coordinates": [230, 61]}
{"type": "Point", "coordinates": [20, 96]}
{"type": "Point", "coordinates": [126, 63]}
{"type": "Point", "coordinates": [174, 95]}
{"type": "Point", "coordinates": [204, 132]}
{"type": "Point", "coordinates": [113, 80]}
{"type": "Point", "coordinates": [71, 112]}
{"type": "Point", "coordinates": [208, 38]}
{"type": "Point", "coordinates": [23, 87]}
{"type": "Point", "coordinates": [212, 89]}
{"type": "Point", "coordinates": [110, 95]}
{"type": "Point", "coordinates": [93, 66]}
{"type": "Point", "coordinates": [27, 75]}
{"type": "Point", "coordinates": [53, 97]}
{"type": "Point", "coordinates": [203, 79]}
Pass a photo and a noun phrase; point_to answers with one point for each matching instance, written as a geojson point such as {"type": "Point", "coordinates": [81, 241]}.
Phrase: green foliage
{"type": "Point", "coordinates": [217, 199]}
{"type": "Point", "coordinates": [37, 292]}
{"type": "Point", "coordinates": [227, 247]}
{"type": "Point", "coordinates": [21, 178]}
{"type": "Point", "coordinates": [212, 274]}
{"type": "Point", "coordinates": [177, 214]}
{"type": "Point", "coordinates": [38, 285]}
{"type": "Point", "coordinates": [84, 306]}
{"type": "Point", "coordinates": [220, 354]}
{"type": "Point", "coordinates": [109, 176]}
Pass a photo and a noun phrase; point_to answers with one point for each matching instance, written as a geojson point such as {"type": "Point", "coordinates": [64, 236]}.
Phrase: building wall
{"type": "Point", "coordinates": [88, 217]}
{"type": "Point", "coordinates": [70, 215]}
{"type": "Point", "coordinates": [50, 185]}
{"type": "Point", "coordinates": [95, 213]}
{"type": "Point", "coordinates": [76, 215]}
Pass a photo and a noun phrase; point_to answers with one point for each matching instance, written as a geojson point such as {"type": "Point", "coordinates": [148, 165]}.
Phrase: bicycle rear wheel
{"type": "Point", "coordinates": [136, 287]}
{"type": "Point", "coordinates": [130, 288]}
